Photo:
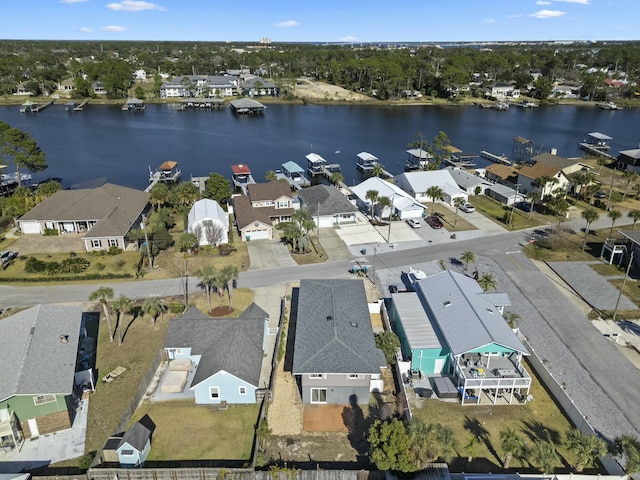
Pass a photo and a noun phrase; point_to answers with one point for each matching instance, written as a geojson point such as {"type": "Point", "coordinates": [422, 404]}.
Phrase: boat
{"type": "Point", "coordinates": [607, 106]}
{"type": "Point", "coordinates": [502, 106]}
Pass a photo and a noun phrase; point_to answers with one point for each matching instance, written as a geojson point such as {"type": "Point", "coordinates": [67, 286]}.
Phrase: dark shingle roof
{"type": "Point", "coordinates": [33, 358]}
{"type": "Point", "coordinates": [234, 345]}
{"type": "Point", "coordinates": [268, 191]}
{"type": "Point", "coordinates": [553, 160]}
{"type": "Point", "coordinates": [333, 329]}
{"type": "Point", "coordinates": [138, 435]}
{"type": "Point", "coordinates": [245, 214]}
{"type": "Point", "coordinates": [329, 199]}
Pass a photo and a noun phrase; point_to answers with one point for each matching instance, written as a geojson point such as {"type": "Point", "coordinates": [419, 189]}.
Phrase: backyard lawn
{"type": "Point", "coordinates": [501, 214]}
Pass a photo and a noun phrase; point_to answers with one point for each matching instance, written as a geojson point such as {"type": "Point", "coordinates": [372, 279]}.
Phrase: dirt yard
{"type": "Point", "coordinates": [313, 90]}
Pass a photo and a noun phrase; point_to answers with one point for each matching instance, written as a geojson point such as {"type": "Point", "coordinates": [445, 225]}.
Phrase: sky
{"type": "Point", "coordinates": [348, 21]}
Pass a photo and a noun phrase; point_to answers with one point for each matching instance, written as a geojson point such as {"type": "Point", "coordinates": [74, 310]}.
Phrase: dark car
{"type": "Point", "coordinates": [434, 221]}
{"type": "Point", "coordinates": [524, 206]}
{"type": "Point", "coordinates": [6, 257]}
{"type": "Point", "coordinates": [600, 195]}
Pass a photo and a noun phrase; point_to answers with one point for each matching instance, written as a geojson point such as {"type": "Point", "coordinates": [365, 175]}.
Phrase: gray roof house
{"type": "Point", "coordinates": [132, 448]}
{"type": "Point", "coordinates": [105, 215]}
{"type": "Point", "coordinates": [335, 356]}
{"type": "Point", "coordinates": [468, 182]}
{"type": "Point", "coordinates": [226, 353]}
{"type": "Point", "coordinates": [38, 354]}
{"type": "Point", "coordinates": [327, 206]}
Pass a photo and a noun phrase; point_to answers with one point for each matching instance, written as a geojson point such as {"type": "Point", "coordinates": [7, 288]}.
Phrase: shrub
{"type": "Point", "coordinates": [176, 307]}
{"type": "Point", "coordinates": [226, 249]}
{"type": "Point", "coordinates": [75, 265]}
{"type": "Point", "coordinates": [113, 250]}
{"type": "Point", "coordinates": [120, 263]}
{"type": "Point", "coordinates": [33, 265]}
{"type": "Point", "coordinates": [100, 266]}
{"type": "Point", "coordinates": [50, 232]}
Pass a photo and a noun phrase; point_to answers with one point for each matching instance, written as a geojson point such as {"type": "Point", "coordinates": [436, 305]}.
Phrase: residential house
{"type": "Point", "coordinates": [259, 87]}
{"type": "Point", "coordinates": [404, 205]}
{"type": "Point", "coordinates": [467, 182]}
{"type": "Point", "coordinates": [132, 448]}
{"type": "Point", "coordinates": [21, 89]}
{"type": "Point", "coordinates": [567, 166]}
{"type": "Point", "coordinates": [67, 85]}
{"type": "Point", "coordinates": [105, 215]}
{"type": "Point", "coordinates": [199, 86]}
{"type": "Point", "coordinates": [530, 175]}
{"type": "Point", "coordinates": [335, 359]}
{"type": "Point", "coordinates": [98, 88]}
{"type": "Point", "coordinates": [140, 76]}
{"type": "Point", "coordinates": [629, 160]}
{"type": "Point", "coordinates": [450, 327]}
{"type": "Point", "coordinates": [504, 194]}
{"type": "Point", "coordinates": [327, 206]}
{"type": "Point", "coordinates": [502, 91]}
{"type": "Point", "coordinates": [500, 173]}
{"type": "Point", "coordinates": [226, 354]}
{"type": "Point", "coordinates": [39, 351]}
{"type": "Point", "coordinates": [265, 205]}
{"type": "Point", "coordinates": [418, 183]}
{"type": "Point", "coordinates": [209, 222]}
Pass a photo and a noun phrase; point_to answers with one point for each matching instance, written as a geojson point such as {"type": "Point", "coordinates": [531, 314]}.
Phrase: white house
{"type": "Point", "coordinates": [209, 221]}
{"type": "Point", "coordinates": [417, 183]}
{"type": "Point", "coordinates": [404, 205]}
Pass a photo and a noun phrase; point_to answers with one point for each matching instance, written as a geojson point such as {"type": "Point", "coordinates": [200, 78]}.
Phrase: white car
{"type": "Point", "coordinates": [467, 208]}
{"type": "Point", "coordinates": [413, 223]}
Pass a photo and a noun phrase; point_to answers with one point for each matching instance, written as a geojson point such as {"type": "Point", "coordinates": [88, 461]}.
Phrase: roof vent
{"type": "Point", "coordinates": [64, 338]}
{"type": "Point", "coordinates": [329, 317]}
{"type": "Point", "coordinates": [354, 324]}
{"type": "Point", "coordinates": [446, 303]}
{"type": "Point", "coordinates": [490, 311]}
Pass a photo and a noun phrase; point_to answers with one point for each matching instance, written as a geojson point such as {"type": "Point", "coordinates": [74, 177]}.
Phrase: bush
{"type": "Point", "coordinates": [50, 232]}
{"type": "Point", "coordinates": [176, 307]}
{"type": "Point", "coordinates": [100, 266]}
{"type": "Point", "coordinates": [226, 249]}
{"type": "Point", "coordinates": [120, 263]}
{"type": "Point", "coordinates": [113, 250]}
{"type": "Point", "coordinates": [75, 265]}
{"type": "Point", "coordinates": [33, 265]}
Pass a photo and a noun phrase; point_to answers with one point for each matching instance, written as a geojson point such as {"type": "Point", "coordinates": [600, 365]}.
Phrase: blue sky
{"type": "Point", "coordinates": [321, 21]}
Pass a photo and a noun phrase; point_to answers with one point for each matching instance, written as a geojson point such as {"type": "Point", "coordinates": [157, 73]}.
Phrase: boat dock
{"type": "Point", "coordinates": [242, 177]}
{"type": "Point", "coordinates": [294, 174]}
{"type": "Point", "coordinates": [30, 107]}
{"type": "Point", "coordinates": [525, 104]}
{"type": "Point", "coordinates": [168, 172]}
{"type": "Point", "coordinates": [495, 158]}
{"type": "Point", "coordinates": [595, 151]}
{"type": "Point", "coordinates": [133, 105]}
{"type": "Point", "coordinates": [75, 106]}
{"type": "Point", "coordinates": [202, 103]}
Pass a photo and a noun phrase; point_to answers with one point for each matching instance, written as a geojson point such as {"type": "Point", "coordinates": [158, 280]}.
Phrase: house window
{"type": "Point", "coordinates": [113, 242]}
{"type": "Point", "coordinates": [242, 390]}
{"type": "Point", "coordinates": [42, 399]}
{"type": "Point", "coordinates": [318, 395]}
{"type": "Point", "coordinates": [316, 375]}
{"type": "Point", "coordinates": [353, 376]}
{"type": "Point", "coordinates": [214, 393]}
{"type": "Point", "coordinates": [96, 243]}
{"type": "Point", "coordinates": [207, 223]}
{"type": "Point", "coordinates": [283, 204]}
{"type": "Point", "coordinates": [178, 351]}
{"type": "Point", "coordinates": [127, 453]}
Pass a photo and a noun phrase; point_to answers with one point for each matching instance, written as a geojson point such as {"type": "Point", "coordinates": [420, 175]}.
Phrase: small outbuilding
{"type": "Point", "coordinates": [132, 448]}
{"type": "Point", "coordinates": [209, 222]}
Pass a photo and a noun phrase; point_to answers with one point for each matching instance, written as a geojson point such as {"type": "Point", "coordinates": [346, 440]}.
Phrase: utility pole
{"type": "Point", "coordinates": [626, 275]}
{"type": "Point", "coordinates": [513, 205]}
{"type": "Point", "coordinates": [146, 240]}
{"type": "Point", "coordinates": [318, 227]}
{"type": "Point", "coordinates": [390, 215]}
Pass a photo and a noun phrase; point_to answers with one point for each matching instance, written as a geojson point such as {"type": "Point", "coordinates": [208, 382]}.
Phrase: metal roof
{"type": "Point", "coordinates": [292, 167]}
{"type": "Point", "coordinates": [367, 157]}
{"type": "Point", "coordinates": [600, 136]}
{"type": "Point", "coordinates": [416, 324]}
{"type": "Point", "coordinates": [315, 158]}
{"type": "Point", "coordinates": [465, 318]}
{"type": "Point", "coordinates": [240, 169]}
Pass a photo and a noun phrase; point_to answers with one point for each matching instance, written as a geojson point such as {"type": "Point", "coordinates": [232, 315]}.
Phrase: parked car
{"type": "Point", "coordinates": [467, 208]}
{"type": "Point", "coordinates": [600, 195]}
{"type": "Point", "coordinates": [413, 223]}
{"type": "Point", "coordinates": [7, 257]}
{"type": "Point", "coordinates": [524, 206]}
{"type": "Point", "coordinates": [434, 221]}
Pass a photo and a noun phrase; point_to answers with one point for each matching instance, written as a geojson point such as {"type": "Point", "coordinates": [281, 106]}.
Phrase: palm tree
{"type": "Point", "coordinates": [511, 444]}
{"type": "Point", "coordinates": [121, 305]}
{"type": "Point", "coordinates": [230, 273]}
{"type": "Point", "coordinates": [627, 447]}
{"type": "Point", "coordinates": [512, 319]}
{"type": "Point", "coordinates": [103, 295]}
{"type": "Point", "coordinates": [468, 257]}
{"type": "Point", "coordinates": [533, 196]}
{"type": "Point", "coordinates": [385, 203]}
{"type": "Point", "coordinates": [581, 179]}
{"type": "Point", "coordinates": [159, 194]}
{"type": "Point", "coordinates": [543, 453]}
{"type": "Point", "coordinates": [336, 178]}
{"type": "Point", "coordinates": [457, 202]}
{"type": "Point", "coordinates": [434, 193]}
{"type": "Point", "coordinates": [587, 448]}
{"type": "Point", "coordinates": [154, 307]}
{"type": "Point", "coordinates": [206, 274]}
{"type": "Point", "coordinates": [470, 448]}
{"type": "Point", "coordinates": [543, 182]}
{"type": "Point", "coordinates": [488, 282]}
{"type": "Point", "coordinates": [372, 196]}
{"type": "Point", "coordinates": [590, 216]}
{"type": "Point", "coordinates": [635, 216]}
{"type": "Point", "coordinates": [630, 177]}
{"type": "Point", "coordinates": [613, 215]}
{"type": "Point", "coordinates": [270, 176]}
{"type": "Point", "coordinates": [377, 170]}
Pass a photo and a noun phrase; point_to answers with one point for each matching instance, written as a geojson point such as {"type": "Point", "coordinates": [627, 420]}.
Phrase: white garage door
{"type": "Point", "coordinates": [258, 234]}
{"type": "Point", "coordinates": [30, 227]}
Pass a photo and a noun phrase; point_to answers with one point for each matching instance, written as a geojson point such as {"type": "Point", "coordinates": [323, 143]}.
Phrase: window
{"type": "Point", "coordinates": [41, 399]}
{"type": "Point", "coordinates": [353, 376]}
{"type": "Point", "coordinates": [178, 351]}
{"type": "Point", "coordinates": [316, 375]}
{"type": "Point", "coordinates": [242, 390]}
{"type": "Point", "coordinates": [207, 223]}
{"type": "Point", "coordinates": [318, 395]}
{"type": "Point", "coordinates": [127, 453]}
{"type": "Point", "coordinates": [214, 393]}
{"type": "Point", "coordinates": [113, 242]}
{"type": "Point", "coordinates": [283, 203]}
{"type": "Point", "coordinates": [96, 243]}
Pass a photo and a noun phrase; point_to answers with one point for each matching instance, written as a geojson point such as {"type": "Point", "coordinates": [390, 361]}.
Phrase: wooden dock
{"type": "Point", "coordinates": [79, 108]}
{"type": "Point", "coordinates": [30, 107]}
{"type": "Point", "coordinates": [598, 152]}
{"type": "Point", "coordinates": [495, 158]}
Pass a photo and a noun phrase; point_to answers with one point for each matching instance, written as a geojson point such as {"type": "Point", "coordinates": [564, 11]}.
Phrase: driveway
{"type": "Point", "coordinates": [31, 244]}
{"type": "Point", "coordinates": [269, 254]}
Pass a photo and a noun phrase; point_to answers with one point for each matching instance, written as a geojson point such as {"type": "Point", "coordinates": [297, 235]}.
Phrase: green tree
{"type": "Point", "coordinates": [218, 189]}
{"type": "Point", "coordinates": [45, 190]}
{"type": "Point", "coordinates": [511, 444]}
{"type": "Point", "coordinates": [430, 442]}
{"type": "Point", "coordinates": [377, 170]}
{"type": "Point", "coordinates": [187, 241]}
{"type": "Point", "coordinates": [543, 453]}
{"type": "Point", "coordinates": [372, 196]}
{"type": "Point", "coordinates": [159, 195]}
{"type": "Point", "coordinates": [154, 307]}
{"type": "Point", "coordinates": [471, 447]}
{"type": "Point", "coordinates": [629, 177]}
{"type": "Point", "coordinates": [590, 216]}
{"type": "Point", "coordinates": [230, 274]}
{"type": "Point", "coordinates": [207, 274]}
{"type": "Point", "coordinates": [614, 215]}
{"type": "Point", "coordinates": [468, 257]}
{"type": "Point", "coordinates": [512, 319]}
{"type": "Point", "coordinates": [337, 178]}
{"type": "Point", "coordinates": [389, 343]}
{"type": "Point", "coordinates": [270, 176]}
{"type": "Point", "coordinates": [457, 203]}
{"type": "Point", "coordinates": [586, 448]}
{"type": "Point", "coordinates": [385, 203]}
{"type": "Point", "coordinates": [635, 216]}
{"type": "Point", "coordinates": [103, 295]}
{"type": "Point", "coordinates": [581, 179]}
{"type": "Point", "coordinates": [390, 446]}
{"type": "Point", "coordinates": [627, 447]}
{"type": "Point", "coordinates": [184, 195]}
{"type": "Point", "coordinates": [434, 193]}
{"type": "Point", "coordinates": [533, 196]}
{"type": "Point", "coordinates": [19, 147]}
{"type": "Point", "coordinates": [121, 305]}
{"type": "Point", "coordinates": [487, 282]}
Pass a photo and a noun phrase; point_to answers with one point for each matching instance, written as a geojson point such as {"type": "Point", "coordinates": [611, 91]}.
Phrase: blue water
{"type": "Point", "coordinates": [102, 143]}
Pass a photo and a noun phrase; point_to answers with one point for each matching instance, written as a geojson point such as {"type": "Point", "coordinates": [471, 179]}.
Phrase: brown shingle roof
{"type": "Point", "coordinates": [268, 191]}
{"type": "Point", "coordinates": [553, 160]}
{"type": "Point", "coordinates": [503, 171]}
{"type": "Point", "coordinates": [246, 215]}
{"type": "Point", "coordinates": [538, 170]}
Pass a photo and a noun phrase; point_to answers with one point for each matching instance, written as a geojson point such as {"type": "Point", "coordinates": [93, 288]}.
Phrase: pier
{"type": "Point", "coordinates": [595, 151]}
{"type": "Point", "coordinates": [242, 177]}
{"type": "Point", "coordinates": [30, 107]}
{"type": "Point", "coordinates": [294, 175]}
{"type": "Point", "coordinates": [75, 106]}
{"type": "Point", "coordinates": [202, 103]}
{"type": "Point", "coordinates": [168, 172]}
{"type": "Point", "coordinates": [495, 158]}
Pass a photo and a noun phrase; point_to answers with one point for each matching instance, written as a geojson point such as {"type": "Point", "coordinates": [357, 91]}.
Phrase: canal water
{"type": "Point", "coordinates": [104, 144]}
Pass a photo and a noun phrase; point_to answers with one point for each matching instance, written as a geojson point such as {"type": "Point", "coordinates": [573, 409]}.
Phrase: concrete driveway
{"type": "Point", "coordinates": [31, 244]}
{"type": "Point", "coordinates": [269, 254]}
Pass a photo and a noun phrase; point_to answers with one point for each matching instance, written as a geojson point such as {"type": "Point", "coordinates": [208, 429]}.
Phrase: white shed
{"type": "Point", "coordinates": [209, 221]}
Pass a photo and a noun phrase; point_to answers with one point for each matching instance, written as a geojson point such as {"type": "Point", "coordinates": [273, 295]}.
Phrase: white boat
{"type": "Point", "coordinates": [607, 106]}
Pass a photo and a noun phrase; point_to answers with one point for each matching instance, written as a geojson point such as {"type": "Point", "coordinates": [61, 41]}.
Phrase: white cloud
{"type": "Point", "coordinates": [547, 14]}
{"type": "Point", "coordinates": [287, 24]}
{"type": "Point", "coordinates": [86, 30]}
{"type": "Point", "coordinates": [516, 15]}
{"type": "Point", "coordinates": [349, 38]}
{"type": "Point", "coordinates": [72, 1]}
{"type": "Point", "coordinates": [114, 28]}
{"type": "Point", "coordinates": [543, 2]}
{"type": "Point", "coordinates": [580, 2]}
{"type": "Point", "coordinates": [133, 6]}
{"type": "Point", "coordinates": [489, 20]}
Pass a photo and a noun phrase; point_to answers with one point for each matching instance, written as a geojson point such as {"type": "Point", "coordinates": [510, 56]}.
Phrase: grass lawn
{"type": "Point", "coordinates": [501, 214]}
{"type": "Point", "coordinates": [187, 431]}
{"type": "Point", "coordinates": [449, 218]}
{"type": "Point", "coordinates": [539, 419]}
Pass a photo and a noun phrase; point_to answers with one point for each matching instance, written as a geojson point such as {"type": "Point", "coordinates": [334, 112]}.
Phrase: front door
{"type": "Point", "coordinates": [318, 395]}
{"type": "Point", "coordinates": [438, 365]}
{"type": "Point", "coordinates": [33, 427]}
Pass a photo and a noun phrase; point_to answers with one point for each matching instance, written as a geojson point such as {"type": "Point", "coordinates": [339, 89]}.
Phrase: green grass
{"type": "Point", "coordinates": [501, 214]}
{"type": "Point", "coordinates": [187, 431]}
